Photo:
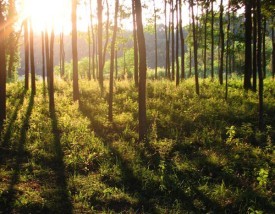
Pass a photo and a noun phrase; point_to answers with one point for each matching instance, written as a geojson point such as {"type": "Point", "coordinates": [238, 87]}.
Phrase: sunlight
{"type": "Point", "coordinates": [45, 14]}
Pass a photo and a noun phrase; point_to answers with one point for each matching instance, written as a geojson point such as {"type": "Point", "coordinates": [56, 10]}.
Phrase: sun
{"type": "Point", "coordinates": [45, 14]}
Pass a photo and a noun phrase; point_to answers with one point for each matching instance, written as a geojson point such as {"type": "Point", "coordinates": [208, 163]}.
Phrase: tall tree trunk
{"type": "Point", "coordinates": [99, 43]}
{"type": "Point", "coordinates": [43, 56]}
{"type": "Point", "coordinates": [182, 43]}
{"type": "Point", "coordinates": [212, 40]}
{"type": "Point", "coordinates": [259, 64]}
{"type": "Point", "coordinates": [273, 50]}
{"type": "Point", "coordinates": [2, 68]}
{"type": "Point", "coordinates": [177, 46]}
{"type": "Point", "coordinates": [135, 45]}
{"type": "Point", "coordinates": [222, 44]}
{"type": "Point", "coordinates": [227, 51]}
{"type": "Point", "coordinates": [264, 48]}
{"type": "Point", "coordinates": [173, 40]}
{"type": "Point", "coordinates": [51, 75]}
{"type": "Point", "coordinates": [106, 35]}
{"type": "Point", "coordinates": [89, 50]}
{"type": "Point", "coordinates": [248, 32]}
{"type": "Point", "coordinates": [142, 72]}
{"type": "Point", "coordinates": [32, 60]}
{"type": "Point", "coordinates": [116, 64]}
{"type": "Point", "coordinates": [254, 65]}
{"type": "Point", "coordinates": [74, 51]}
{"type": "Point", "coordinates": [205, 42]}
{"type": "Point", "coordinates": [110, 113]}
{"type": "Point", "coordinates": [195, 50]}
{"type": "Point", "coordinates": [168, 45]}
{"type": "Point", "coordinates": [156, 41]}
{"type": "Point", "coordinates": [94, 42]}
{"type": "Point", "coordinates": [26, 47]}
{"type": "Point", "coordinates": [166, 40]}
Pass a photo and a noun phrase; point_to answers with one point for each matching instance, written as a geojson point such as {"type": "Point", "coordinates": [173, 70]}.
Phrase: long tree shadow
{"type": "Point", "coordinates": [9, 196]}
{"type": "Point", "coordinates": [60, 199]}
{"type": "Point", "coordinates": [4, 147]}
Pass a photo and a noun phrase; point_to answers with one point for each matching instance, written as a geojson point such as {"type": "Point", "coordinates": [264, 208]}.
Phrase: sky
{"type": "Point", "coordinates": [45, 13]}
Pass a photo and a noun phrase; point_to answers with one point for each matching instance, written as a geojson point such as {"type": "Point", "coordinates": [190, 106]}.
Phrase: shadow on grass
{"type": "Point", "coordinates": [9, 196]}
{"type": "Point", "coordinates": [4, 150]}
{"type": "Point", "coordinates": [59, 198]}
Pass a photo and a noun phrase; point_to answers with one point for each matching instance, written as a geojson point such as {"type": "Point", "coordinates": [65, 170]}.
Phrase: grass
{"type": "Point", "coordinates": [204, 154]}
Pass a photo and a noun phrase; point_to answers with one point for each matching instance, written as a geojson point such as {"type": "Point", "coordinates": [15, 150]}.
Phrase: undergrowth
{"type": "Point", "coordinates": [203, 153]}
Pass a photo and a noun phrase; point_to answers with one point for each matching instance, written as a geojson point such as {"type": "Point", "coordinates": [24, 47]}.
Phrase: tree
{"type": "Point", "coordinates": [112, 64]}
{"type": "Point", "coordinates": [259, 64]}
{"type": "Point", "coordinates": [74, 52]}
{"type": "Point", "coordinates": [135, 45]}
{"type": "Point", "coordinates": [273, 49]}
{"type": "Point", "coordinates": [254, 64]}
{"type": "Point", "coordinates": [32, 60]}
{"type": "Point", "coordinates": [177, 45]}
{"type": "Point", "coordinates": [142, 72]}
{"type": "Point", "coordinates": [156, 40]}
{"type": "Point", "coordinates": [2, 66]}
{"type": "Point", "coordinates": [248, 32]}
{"type": "Point", "coordinates": [43, 55]}
{"type": "Point", "coordinates": [212, 40]}
{"type": "Point", "coordinates": [26, 47]}
{"type": "Point", "coordinates": [221, 44]}
{"type": "Point", "coordinates": [99, 43]}
{"type": "Point", "coordinates": [195, 41]}
{"type": "Point", "coordinates": [182, 42]}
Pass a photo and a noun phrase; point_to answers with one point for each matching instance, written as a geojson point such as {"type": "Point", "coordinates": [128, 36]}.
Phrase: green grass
{"type": "Point", "coordinates": [204, 154]}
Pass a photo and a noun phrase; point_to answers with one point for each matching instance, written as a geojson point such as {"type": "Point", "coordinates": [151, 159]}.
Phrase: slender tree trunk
{"type": "Point", "coordinates": [259, 64]}
{"type": "Point", "coordinates": [89, 50]}
{"type": "Point", "coordinates": [264, 48]}
{"type": "Point", "coordinates": [106, 35]}
{"type": "Point", "coordinates": [166, 40]}
{"type": "Point", "coordinates": [248, 32]}
{"type": "Point", "coordinates": [273, 50]}
{"type": "Point", "coordinates": [26, 47]}
{"type": "Point", "coordinates": [112, 64]}
{"type": "Point", "coordinates": [195, 51]}
{"type": "Point", "coordinates": [173, 40]}
{"type": "Point", "coordinates": [177, 46]}
{"type": "Point", "coordinates": [156, 41]}
{"type": "Point", "coordinates": [116, 64]}
{"type": "Point", "coordinates": [51, 75]}
{"type": "Point", "coordinates": [168, 45]}
{"type": "Point", "coordinates": [142, 72]}
{"type": "Point", "coordinates": [99, 43]}
{"type": "Point", "coordinates": [94, 43]}
{"type": "Point", "coordinates": [135, 45]}
{"type": "Point", "coordinates": [227, 51]}
{"type": "Point", "coordinates": [2, 68]}
{"type": "Point", "coordinates": [212, 41]}
{"type": "Point", "coordinates": [32, 60]}
{"type": "Point", "coordinates": [43, 56]}
{"type": "Point", "coordinates": [74, 51]}
{"type": "Point", "coordinates": [254, 65]}
{"type": "Point", "coordinates": [222, 44]}
{"type": "Point", "coordinates": [205, 43]}
{"type": "Point", "coordinates": [182, 43]}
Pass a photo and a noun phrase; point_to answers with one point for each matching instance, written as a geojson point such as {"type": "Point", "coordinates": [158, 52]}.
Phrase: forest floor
{"type": "Point", "coordinates": [204, 154]}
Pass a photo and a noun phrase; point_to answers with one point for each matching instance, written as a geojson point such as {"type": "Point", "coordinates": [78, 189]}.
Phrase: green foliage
{"type": "Point", "coordinates": [203, 154]}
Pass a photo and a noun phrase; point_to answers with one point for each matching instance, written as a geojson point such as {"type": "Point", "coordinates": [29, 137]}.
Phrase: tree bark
{"type": "Point", "coordinates": [254, 65]}
{"type": "Point", "coordinates": [182, 43]}
{"type": "Point", "coordinates": [195, 50]}
{"type": "Point", "coordinates": [135, 45]}
{"type": "Point", "coordinates": [2, 68]}
{"type": "Point", "coordinates": [221, 44]}
{"type": "Point", "coordinates": [99, 43]}
{"type": "Point", "coordinates": [205, 43]}
{"type": "Point", "coordinates": [74, 52]}
{"type": "Point", "coordinates": [26, 47]}
{"type": "Point", "coordinates": [259, 64]}
{"type": "Point", "coordinates": [110, 113]}
{"type": "Point", "coordinates": [43, 56]}
{"type": "Point", "coordinates": [32, 61]}
{"type": "Point", "coordinates": [142, 72]}
{"type": "Point", "coordinates": [212, 41]}
{"type": "Point", "coordinates": [156, 41]}
{"type": "Point", "coordinates": [248, 32]}
{"type": "Point", "coordinates": [177, 46]}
